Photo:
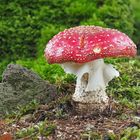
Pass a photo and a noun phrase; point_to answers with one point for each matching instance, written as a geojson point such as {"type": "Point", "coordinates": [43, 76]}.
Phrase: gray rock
{"type": "Point", "coordinates": [20, 86]}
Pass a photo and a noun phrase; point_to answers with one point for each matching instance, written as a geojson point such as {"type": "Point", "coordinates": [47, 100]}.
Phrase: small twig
{"type": "Point", "coordinates": [125, 124]}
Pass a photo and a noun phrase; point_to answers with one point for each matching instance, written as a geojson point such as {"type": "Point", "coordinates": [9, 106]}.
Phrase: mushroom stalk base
{"type": "Point", "coordinates": [92, 79]}
{"type": "Point", "coordinates": [89, 102]}
{"type": "Point", "coordinates": [89, 108]}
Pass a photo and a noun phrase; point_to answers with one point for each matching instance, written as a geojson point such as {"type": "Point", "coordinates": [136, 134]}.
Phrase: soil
{"type": "Point", "coordinates": [73, 126]}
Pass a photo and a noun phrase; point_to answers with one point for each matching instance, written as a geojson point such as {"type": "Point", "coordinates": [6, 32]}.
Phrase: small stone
{"type": "Point", "coordinates": [110, 131]}
{"type": "Point", "coordinates": [89, 127]}
{"type": "Point", "coordinates": [136, 118]}
{"type": "Point", "coordinates": [26, 118]}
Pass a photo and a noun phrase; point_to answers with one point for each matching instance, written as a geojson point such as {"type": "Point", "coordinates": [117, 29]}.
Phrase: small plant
{"type": "Point", "coordinates": [131, 133]}
{"type": "Point", "coordinates": [23, 110]}
{"type": "Point", "coordinates": [38, 131]}
{"type": "Point", "coordinates": [89, 135]}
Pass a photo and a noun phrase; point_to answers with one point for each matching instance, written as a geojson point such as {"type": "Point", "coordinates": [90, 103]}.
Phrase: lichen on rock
{"type": "Point", "coordinates": [20, 86]}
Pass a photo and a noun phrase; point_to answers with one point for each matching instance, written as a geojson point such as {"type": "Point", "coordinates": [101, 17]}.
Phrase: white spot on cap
{"type": "Point", "coordinates": [59, 52]}
{"type": "Point", "coordinates": [111, 45]}
{"type": "Point", "coordinates": [78, 55]}
{"type": "Point", "coordinates": [105, 48]}
{"type": "Point", "coordinates": [97, 50]}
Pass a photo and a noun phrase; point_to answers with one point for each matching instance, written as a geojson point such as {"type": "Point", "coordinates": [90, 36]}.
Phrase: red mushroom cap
{"type": "Point", "coordinates": [86, 43]}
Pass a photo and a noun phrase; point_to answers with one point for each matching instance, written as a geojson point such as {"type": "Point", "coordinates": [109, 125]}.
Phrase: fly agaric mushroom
{"type": "Point", "coordinates": [80, 51]}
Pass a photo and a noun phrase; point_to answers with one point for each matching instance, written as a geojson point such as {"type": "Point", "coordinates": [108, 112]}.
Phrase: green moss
{"type": "Point", "coordinates": [53, 73]}
{"type": "Point", "coordinates": [126, 88]}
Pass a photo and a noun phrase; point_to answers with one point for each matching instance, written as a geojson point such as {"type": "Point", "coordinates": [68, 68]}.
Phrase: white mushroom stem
{"type": "Point", "coordinates": [92, 79]}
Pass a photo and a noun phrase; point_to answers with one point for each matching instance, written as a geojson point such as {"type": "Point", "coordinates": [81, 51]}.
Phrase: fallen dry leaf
{"type": "Point", "coordinates": [6, 136]}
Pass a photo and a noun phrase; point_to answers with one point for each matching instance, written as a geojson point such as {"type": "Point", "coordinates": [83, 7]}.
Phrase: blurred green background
{"type": "Point", "coordinates": [27, 25]}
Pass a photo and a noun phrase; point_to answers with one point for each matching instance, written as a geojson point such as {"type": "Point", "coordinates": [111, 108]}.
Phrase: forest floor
{"type": "Point", "coordinates": [58, 120]}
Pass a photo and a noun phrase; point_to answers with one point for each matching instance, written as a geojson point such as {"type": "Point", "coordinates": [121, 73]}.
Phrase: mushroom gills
{"type": "Point", "coordinates": [92, 78]}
